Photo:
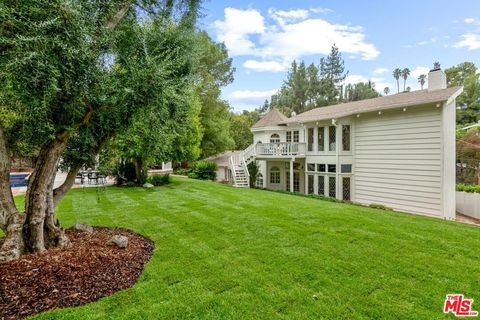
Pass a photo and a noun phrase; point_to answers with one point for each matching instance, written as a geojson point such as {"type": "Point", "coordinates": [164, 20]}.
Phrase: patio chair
{"type": "Point", "coordinates": [102, 179]}
{"type": "Point", "coordinates": [93, 177]}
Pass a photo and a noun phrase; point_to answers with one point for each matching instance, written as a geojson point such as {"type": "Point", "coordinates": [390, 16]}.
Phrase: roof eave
{"type": "Point", "coordinates": [455, 95]}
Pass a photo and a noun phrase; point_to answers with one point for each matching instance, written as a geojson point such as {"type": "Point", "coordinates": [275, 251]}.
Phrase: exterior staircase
{"type": "Point", "coordinates": [239, 169]}
{"type": "Point", "coordinates": [238, 162]}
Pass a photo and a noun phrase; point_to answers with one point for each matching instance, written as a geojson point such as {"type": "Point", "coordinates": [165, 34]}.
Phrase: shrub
{"type": "Point", "coordinates": [159, 179]}
{"type": "Point", "coordinates": [129, 184]}
{"type": "Point", "coordinates": [182, 171]}
{"type": "Point", "coordinates": [470, 188]}
{"type": "Point", "coordinates": [204, 170]}
{"type": "Point", "coordinates": [253, 171]}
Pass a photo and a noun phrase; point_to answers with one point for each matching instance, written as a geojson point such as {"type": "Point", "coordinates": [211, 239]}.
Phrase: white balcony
{"type": "Point", "coordinates": [282, 149]}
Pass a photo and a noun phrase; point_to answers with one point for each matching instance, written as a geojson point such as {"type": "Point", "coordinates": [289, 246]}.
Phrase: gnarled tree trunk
{"type": "Point", "coordinates": [11, 221]}
{"type": "Point", "coordinates": [36, 229]}
{"type": "Point", "coordinates": [41, 229]}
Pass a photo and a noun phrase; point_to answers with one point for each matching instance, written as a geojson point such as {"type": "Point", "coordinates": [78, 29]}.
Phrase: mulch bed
{"type": "Point", "coordinates": [86, 272]}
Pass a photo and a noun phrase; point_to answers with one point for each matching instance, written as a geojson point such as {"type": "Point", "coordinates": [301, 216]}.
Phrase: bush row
{"type": "Point", "coordinates": [470, 188]}
{"type": "Point", "coordinates": [159, 179]}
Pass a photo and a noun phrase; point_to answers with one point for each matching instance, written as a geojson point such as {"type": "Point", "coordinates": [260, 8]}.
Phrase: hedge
{"type": "Point", "coordinates": [470, 188]}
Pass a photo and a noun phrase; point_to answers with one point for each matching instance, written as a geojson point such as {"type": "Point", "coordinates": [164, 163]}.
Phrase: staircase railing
{"type": "Point", "coordinates": [232, 170]}
{"type": "Point", "coordinates": [242, 159]}
{"type": "Point", "coordinates": [245, 167]}
{"type": "Point", "coordinates": [248, 153]}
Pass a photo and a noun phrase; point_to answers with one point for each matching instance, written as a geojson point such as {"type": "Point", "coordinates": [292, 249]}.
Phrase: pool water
{"type": "Point", "coordinates": [18, 180]}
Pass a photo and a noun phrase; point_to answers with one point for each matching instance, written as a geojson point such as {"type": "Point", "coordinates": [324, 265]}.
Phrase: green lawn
{"type": "Point", "coordinates": [226, 253]}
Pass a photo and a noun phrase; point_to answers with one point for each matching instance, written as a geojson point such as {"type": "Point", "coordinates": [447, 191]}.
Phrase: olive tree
{"type": "Point", "coordinates": [72, 70]}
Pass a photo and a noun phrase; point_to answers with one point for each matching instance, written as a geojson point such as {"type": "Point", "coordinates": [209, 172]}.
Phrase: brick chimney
{"type": "Point", "coordinates": [437, 79]}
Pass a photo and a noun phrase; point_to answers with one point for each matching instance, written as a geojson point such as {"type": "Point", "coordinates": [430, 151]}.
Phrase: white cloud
{"type": "Point", "coordinates": [469, 41]}
{"type": "Point", "coordinates": [321, 10]}
{"type": "Point", "coordinates": [292, 34]}
{"type": "Point", "coordinates": [354, 78]}
{"type": "Point", "coordinates": [379, 71]}
{"type": "Point", "coordinates": [316, 36]}
{"type": "Point", "coordinates": [251, 97]}
{"type": "Point", "coordinates": [236, 28]}
{"type": "Point", "coordinates": [471, 21]}
{"type": "Point", "coordinates": [379, 82]}
{"type": "Point", "coordinates": [282, 16]}
{"type": "Point", "coordinates": [415, 73]}
{"type": "Point", "coordinates": [261, 66]}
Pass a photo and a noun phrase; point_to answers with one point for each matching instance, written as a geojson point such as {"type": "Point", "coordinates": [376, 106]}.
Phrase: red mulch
{"type": "Point", "coordinates": [86, 272]}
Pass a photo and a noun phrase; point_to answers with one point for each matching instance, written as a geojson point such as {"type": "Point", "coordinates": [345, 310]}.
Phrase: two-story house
{"type": "Point", "coordinates": [396, 150]}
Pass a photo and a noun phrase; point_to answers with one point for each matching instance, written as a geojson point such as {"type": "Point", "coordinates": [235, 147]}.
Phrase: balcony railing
{"type": "Point", "coordinates": [280, 149]}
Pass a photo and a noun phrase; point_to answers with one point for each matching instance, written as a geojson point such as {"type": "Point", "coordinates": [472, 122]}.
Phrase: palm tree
{"type": "Point", "coordinates": [386, 91]}
{"type": "Point", "coordinates": [405, 74]}
{"type": "Point", "coordinates": [396, 74]}
{"type": "Point", "coordinates": [422, 79]}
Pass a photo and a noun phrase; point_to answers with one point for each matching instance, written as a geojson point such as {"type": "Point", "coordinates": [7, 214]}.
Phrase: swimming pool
{"type": "Point", "coordinates": [18, 180]}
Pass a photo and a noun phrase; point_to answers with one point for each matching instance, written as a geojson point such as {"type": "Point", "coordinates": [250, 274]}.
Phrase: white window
{"type": "Point", "coordinates": [310, 139]}
{"type": "Point", "coordinates": [346, 168]}
{"type": "Point", "coordinates": [274, 175]}
{"type": "Point", "coordinates": [346, 137]}
{"type": "Point", "coordinates": [332, 187]}
{"type": "Point", "coordinates": [321, 185]}
{"type": "Point", "coordinates": [332, 138]}
{"type": "Point", "coordinates": [296, 136]}
{"type": "Point", "coordinates": [296, 181]}
{"type": "Point", "coordinates": [259, 182]}
{"type": "Point", "coordinates": [311, 184]}
{"type": "Point", "coordinates": [321, 139]}
{"type": "Point", "coordinates": [346, 188]}
{"type": "Point", "coordinates": [275, 138]}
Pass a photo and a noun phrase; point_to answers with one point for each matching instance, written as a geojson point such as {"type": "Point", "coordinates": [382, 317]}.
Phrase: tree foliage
{"type": "Point", "coordinates": [240, 125]}
{"type": "Point", "coordinates": [316, 86]}
{"type": "Point", "coordinates": [74, 74]}
{"type": "Point", "coordinates": [360, 91]}
{"type": "Point", "coordinates": [214, 70]}
{"type": "Point", "coordinates": [466, 74]}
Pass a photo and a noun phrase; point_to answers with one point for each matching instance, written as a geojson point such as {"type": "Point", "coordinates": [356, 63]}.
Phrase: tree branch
{"type": "Point", "coordinates": [112, 24]}
{"type": "Point", "coordinates": [61, 191]}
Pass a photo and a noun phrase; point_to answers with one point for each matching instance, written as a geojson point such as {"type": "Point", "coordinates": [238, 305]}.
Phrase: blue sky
{"type": "Point", "coordinates": [263, 37]}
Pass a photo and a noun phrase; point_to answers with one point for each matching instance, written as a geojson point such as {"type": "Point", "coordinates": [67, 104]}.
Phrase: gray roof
{"type": "Point", "coordinates": [404, 99]}
{"type": "Point", "coordinates": [272, 118]}
{"type": "Point", "coordinates": [222, 159]}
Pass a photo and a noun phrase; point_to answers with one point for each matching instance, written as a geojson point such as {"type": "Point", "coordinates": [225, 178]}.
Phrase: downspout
{"type": "Point", "coordinates": [337, 158]}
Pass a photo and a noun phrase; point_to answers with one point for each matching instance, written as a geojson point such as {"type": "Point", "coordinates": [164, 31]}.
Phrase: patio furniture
{"type": "Point", "coordinates": [93, 177]}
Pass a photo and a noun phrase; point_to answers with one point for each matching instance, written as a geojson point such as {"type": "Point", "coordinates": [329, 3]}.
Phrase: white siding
{"type": "Point", "coordinates": [398, 160]}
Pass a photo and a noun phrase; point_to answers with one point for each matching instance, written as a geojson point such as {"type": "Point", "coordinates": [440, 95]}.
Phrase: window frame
{"type": "Point", "coordinates": [332, 148]}
{"type": "Point", "coordinates": [321, 133]}
{"type": "Point", "coordinates": [296, 136]}
{"type": "Point", "coordinates": [310, 184]}
{"type": "Point", "coordinates": [349, 137]}
{"type": "Point", "coordinates": [274, 137]}
{"type": "Point", "coordinates": [259, 179]}
{"type": "Point", "coordinates": [310, 139]}
{"type": "Point", "coordinates": [274, 176]}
